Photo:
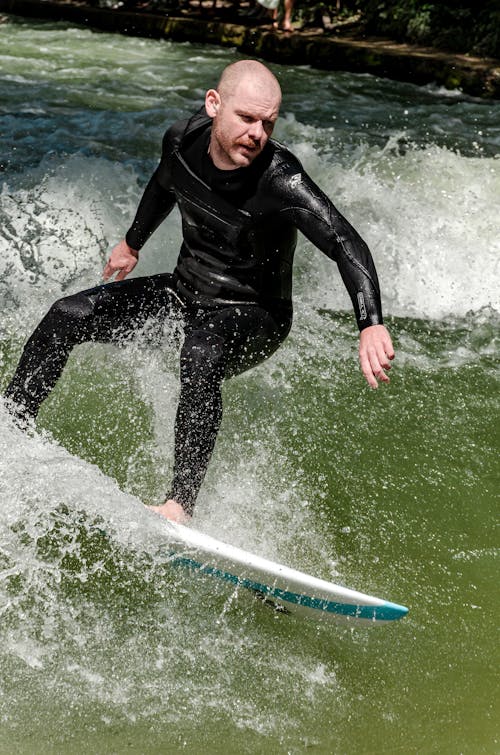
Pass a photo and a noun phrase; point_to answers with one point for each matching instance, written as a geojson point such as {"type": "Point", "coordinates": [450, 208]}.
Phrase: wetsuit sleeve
{"type": "Point", "coordinates": [156, 203]}
{"type": "Point", "coordinates": [312, 212]}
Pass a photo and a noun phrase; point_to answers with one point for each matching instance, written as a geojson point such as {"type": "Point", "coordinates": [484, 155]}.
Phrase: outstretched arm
{"type": "Point", "coordinates": [316, 217]}
{"type": "Point", "coordinates": [156, 203]}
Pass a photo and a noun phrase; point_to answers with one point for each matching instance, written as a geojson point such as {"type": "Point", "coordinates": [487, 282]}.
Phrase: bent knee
{"type": "Point", "coordinates": [75, 308]}
{"type": "Point", "coordinates": [203, 355]}
{"type": "Point", "coordinates": [68, 319]}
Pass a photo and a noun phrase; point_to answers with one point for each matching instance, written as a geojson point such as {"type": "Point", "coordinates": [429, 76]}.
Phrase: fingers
{"type": "Point", "coordinates": [372, 370]}
{"type": "Point", "coordinates": [122, 273]}
{"type": "Point", "coordinates": [375, 354]}
{"type": "Point", "coordinates": [108, 271]}
{"type": "Point", "coordinates": [113, 267]}
{"type": "Point", "coordinates": [122, 261]}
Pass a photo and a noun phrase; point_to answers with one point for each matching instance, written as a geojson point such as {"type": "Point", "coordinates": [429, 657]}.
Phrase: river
{"type": "Point", "coordinates": [103, 648]}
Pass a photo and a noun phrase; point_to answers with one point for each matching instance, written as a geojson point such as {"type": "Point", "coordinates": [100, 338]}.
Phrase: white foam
{"type": "Point", "coordinates": [58, 226]}
{"type": "Point", "coordinates": [430, 217]}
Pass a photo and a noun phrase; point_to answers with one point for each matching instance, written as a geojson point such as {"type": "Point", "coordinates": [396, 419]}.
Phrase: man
{"type": "Point", "coordinates": [242, 198]}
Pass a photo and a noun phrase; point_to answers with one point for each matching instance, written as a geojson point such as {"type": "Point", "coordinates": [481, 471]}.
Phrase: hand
{"type": "Point", "coordinates": [122, 261]}
{"type": "Point", "coordinates": [375, 353]}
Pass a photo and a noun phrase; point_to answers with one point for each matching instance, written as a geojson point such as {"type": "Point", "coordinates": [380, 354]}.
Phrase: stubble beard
{"type": "Point", "coordinates": [231, 150]}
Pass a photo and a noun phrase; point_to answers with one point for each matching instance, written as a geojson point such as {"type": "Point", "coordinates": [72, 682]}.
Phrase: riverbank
{"type": "Point", "coordinates": [479, 77]}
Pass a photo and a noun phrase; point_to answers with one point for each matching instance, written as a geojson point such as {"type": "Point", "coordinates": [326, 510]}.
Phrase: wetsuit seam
{"type": "Point", "coordinates": [338, 238]}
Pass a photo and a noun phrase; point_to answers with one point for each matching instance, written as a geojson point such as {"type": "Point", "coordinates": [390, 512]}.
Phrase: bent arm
{"type": "Point", "coordinates": [320, 221]}
{"type": "Point", "coordinates": [156, 203]}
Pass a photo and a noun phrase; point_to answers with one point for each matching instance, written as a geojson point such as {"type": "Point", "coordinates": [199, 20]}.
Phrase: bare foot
{"type": "Point", "coordinates": [171, 510]}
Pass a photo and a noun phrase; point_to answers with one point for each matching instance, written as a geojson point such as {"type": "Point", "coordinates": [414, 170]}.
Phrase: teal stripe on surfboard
{"type": "Point", "coordinates": [386, 611]}
{"type": "Point", "coordinates": [381, 611]}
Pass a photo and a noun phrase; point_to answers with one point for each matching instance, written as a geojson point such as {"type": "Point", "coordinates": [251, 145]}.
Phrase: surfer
{"type": "Point", "coordinates": [242, 196]}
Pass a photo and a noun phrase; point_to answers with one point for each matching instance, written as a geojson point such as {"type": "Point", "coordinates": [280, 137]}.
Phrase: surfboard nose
{"type": "Point", "coordinates": [389, 611]}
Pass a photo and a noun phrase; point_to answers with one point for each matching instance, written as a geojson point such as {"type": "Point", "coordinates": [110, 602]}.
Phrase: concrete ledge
{"type": "Point", "coordinates": [476, 76]}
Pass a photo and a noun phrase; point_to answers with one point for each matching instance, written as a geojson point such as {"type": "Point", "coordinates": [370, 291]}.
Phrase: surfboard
{"type": "Point", "coordinates": [287, 590]}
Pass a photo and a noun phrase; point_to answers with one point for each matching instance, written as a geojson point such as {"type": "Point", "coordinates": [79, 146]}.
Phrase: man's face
{"type": "Point", "coordinates": [242, 124]}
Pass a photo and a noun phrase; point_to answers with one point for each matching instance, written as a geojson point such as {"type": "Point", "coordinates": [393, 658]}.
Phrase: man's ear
{"type": "Point", "coordinates": [212, 102]}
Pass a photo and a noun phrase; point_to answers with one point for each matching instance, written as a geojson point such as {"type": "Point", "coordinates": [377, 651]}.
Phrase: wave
{"type": "Point", "coordinates": [430, 218]}
{"type": "Point", "coordinates": [428, 215]}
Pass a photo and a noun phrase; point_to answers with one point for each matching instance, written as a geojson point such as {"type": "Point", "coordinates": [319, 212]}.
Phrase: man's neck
{"type": "Point", "coordinates": [219, 158]}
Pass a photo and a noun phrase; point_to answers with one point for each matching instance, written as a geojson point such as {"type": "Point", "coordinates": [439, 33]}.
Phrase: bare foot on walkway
{"type": "Point", "coordinates": [172, 510]}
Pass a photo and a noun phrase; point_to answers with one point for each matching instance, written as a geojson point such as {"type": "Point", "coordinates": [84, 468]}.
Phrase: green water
{"type": "Point", "coordinates": [103, 647]}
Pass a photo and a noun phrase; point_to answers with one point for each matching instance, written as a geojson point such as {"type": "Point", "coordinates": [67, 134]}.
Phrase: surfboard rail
{"type": "Point", "coordinates": [288, 588]}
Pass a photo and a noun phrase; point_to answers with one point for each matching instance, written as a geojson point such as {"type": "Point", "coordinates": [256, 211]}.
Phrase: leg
{"type": "Point", "coordinates": [228, 341]}
{"type": "Point", "coordinates": [287, 18]}
{"type": "Point", "coordinates": [104, 313]}
{"type": "Point", "coordinates": [197, 421]}
{"type": "Point", "coordinates": [199, 414]}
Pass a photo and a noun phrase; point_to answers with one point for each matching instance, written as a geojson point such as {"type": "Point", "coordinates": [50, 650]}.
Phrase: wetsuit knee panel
{"type": "Point", "coordinates": [76, 307]}
{"type": "Point", "coordinates": [202, 356]}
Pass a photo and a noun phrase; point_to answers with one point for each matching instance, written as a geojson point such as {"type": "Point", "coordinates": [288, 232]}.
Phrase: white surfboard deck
{"type": "Point", "coordinates": [286, 589]}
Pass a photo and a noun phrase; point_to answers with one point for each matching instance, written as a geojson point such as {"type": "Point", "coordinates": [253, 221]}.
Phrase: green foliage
{"type": "Point", "coordinates": [467, 26]}
{"type": "Point", "coordinates": [471, 26]}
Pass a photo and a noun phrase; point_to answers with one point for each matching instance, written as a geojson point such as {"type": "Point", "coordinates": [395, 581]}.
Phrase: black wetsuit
{"type": "Point", "coordinates": [232, 284]}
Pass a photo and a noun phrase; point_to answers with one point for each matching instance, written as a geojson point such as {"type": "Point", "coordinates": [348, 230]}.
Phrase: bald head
{"type": "Point", "coordinates": [249, 73]}
{"type": "Point", "coordinates": [244, 109]}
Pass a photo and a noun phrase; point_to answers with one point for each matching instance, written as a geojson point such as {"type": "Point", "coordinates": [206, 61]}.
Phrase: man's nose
{"type": "Point", "coordinates": [256, 131]}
